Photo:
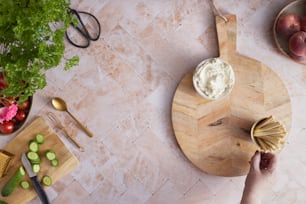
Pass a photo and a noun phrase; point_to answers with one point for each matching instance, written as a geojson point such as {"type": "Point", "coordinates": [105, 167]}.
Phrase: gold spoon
{"type": "Point", "coordinates": [60, 104]}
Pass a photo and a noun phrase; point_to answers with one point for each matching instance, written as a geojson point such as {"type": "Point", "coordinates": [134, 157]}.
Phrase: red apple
{"type": "Point", "coordinates": [288, 24]}
{"type": "Point", "coordinates": [298, 58]}
{"type": "Point", "coordinates": [297, 44]}
{"type": "Point", "coordinates": [303, 24]}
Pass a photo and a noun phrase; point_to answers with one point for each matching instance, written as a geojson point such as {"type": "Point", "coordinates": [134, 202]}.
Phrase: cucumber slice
{"type": "Point", "coordinates": [12, 183]}
{"type": "Point", "coordinates": [33, 146]}
{"type": "Point", "coordinates": [33, 157]}
{"type": "Point", "coordinates": [54, 162]}
{"type": "Point", "coordinates": [25, 184]}
{"type": "Point", "coordinates": [38, 161]}
{"type": "Point", "coordinates": [50, 155]}
{"type": "Point", "coordinates": [36, 168]}
{"type": "Point", "coordinates": [46, 180]}
{"type": "Point", "coordinates": [40, 139]}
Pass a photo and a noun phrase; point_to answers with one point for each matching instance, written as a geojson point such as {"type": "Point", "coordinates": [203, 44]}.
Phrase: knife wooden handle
{"type": "Point", "coordinates": [40, 191]}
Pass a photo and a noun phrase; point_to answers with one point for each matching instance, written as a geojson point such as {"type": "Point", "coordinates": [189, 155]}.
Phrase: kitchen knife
{"type": "Point", "coordinates": [40, 191]}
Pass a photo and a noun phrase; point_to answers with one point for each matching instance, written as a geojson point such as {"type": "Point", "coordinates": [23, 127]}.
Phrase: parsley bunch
{"type": "Point", "coordinates": [31, 42]}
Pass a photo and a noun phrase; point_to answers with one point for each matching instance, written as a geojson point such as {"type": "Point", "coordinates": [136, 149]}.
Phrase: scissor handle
{"type": "Point", "coordinates": [83, 30]}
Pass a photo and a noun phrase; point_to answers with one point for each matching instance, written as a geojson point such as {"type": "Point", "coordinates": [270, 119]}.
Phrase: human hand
{"type": "Point", "coordinates": [260, 178]}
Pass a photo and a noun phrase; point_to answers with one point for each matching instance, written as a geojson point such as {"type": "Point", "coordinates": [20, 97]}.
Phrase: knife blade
{"type": "Point", "coordinates": [40, 191]}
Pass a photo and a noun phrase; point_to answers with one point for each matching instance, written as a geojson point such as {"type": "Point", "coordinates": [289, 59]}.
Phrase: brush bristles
{"type": "Point", "coordinates": [269, 134]}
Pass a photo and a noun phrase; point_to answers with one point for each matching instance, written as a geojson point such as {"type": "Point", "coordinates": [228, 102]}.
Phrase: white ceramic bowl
{"type": "Point", "coordinates": [213, 79]}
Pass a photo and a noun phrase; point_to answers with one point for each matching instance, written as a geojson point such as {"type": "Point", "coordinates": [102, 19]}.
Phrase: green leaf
{"type": "Point", "coordinates": [71, 62]}
{"type": "Point", "coordinates": [32, 42]}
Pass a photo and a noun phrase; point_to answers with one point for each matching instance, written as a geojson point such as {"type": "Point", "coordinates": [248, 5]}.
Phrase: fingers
{"type": "Point", "coordinates": [268, 161]}
{"type": "Point", "coordinates": [264, 162]}
{"type": "Point", "coordinates": [273, 162]}
{"type": "Point", "coordinates": [255, 161]}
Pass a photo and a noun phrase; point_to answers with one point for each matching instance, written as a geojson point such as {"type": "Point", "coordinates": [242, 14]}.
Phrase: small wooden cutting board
{"type": "Point", "coordinates": [215, 135]}
{"type": "Point", "coordinates": [19, 144]}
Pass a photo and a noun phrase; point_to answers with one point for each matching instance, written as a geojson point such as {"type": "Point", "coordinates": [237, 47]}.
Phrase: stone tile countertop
{"type": "Point", "coordinates": [122, 90]}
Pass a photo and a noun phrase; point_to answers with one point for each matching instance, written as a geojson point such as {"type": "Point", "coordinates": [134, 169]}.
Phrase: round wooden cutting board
{"type": "Point", "coordinates": [215, 135]}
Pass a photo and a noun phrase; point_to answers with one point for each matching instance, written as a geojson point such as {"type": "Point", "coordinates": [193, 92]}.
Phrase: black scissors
{"type": "Point", "coordinates": [80, 27]}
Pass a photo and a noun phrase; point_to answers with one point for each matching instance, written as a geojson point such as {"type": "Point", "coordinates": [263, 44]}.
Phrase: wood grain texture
{"type": "Point", "coordinates": [215, 135]}
{"type": "Point", "coordinates": [19, 144]}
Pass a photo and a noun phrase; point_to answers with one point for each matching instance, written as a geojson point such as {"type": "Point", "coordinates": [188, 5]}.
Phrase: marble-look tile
{"type": "Point", "coordinates": [136, 193]}
{"type": "Point", "coordinates": [229, 193]}
{"type": "Point", "coordinates": [106, 193]}
{"type": "Point", "coordinates": [91, 172]}
{"type": "Point", "coordinates": [214, 183]}
{"type": "Point", "coordinates": [166, 194]}
{"type": "Point", "coordinates": [73, 192]}
{"type": "Point", "coordinates": [197, 194]}
{"type": "Point", "coordinates": [292, 194]}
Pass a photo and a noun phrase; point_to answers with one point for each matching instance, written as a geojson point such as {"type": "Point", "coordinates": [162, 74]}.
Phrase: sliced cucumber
{"type": "Point", "coordinates": [38, 161]}
{"type": "Point", "coordinates": [46, 180]}
{"type": "Point", "coordinates": [12, 183]}
{"type": "Point", "coordinates": [40, 139]}
{"type": "Point", "coordinates": [54, 162]}
{"type": "Point", "coordinates": [25, 184]}
{"type": "Point", "coordinates": [33, 146]}
{"type": "Point", "coordinates": [50, 155]}
{"type": "Point", "coordinates": [33, 157]}
{"type": "Point", "coordinates": [36, 168]}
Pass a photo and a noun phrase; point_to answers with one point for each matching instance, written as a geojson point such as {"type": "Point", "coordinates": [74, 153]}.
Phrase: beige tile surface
{"type": "Point", "coordinates": [122, 90]}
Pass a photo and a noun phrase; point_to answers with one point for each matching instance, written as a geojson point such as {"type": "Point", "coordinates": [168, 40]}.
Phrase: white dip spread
{"type": "Point", "coordinates": [213, 78]}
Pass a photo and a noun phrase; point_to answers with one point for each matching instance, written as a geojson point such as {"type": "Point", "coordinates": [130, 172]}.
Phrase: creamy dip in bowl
{"type": "Point", "coordinates": [213, 79]}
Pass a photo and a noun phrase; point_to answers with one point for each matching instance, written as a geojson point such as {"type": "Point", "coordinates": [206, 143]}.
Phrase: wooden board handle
{"type": "Point", "coordinates": [226, 32]}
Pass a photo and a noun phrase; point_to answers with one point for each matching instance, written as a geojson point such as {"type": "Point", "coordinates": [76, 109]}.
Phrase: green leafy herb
{"type": "Point", "coordinates": [31, 42]}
